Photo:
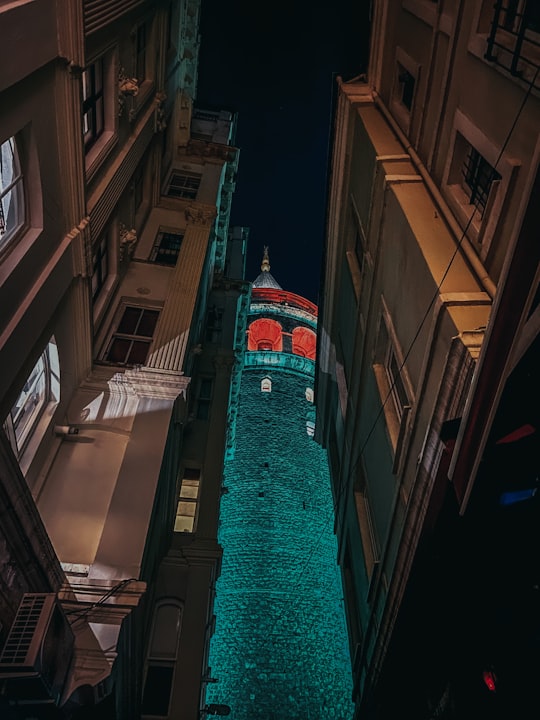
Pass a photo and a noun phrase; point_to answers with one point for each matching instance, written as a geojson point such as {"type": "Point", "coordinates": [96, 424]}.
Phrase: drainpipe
{"type": "Point", "coordinates": [470, 254]}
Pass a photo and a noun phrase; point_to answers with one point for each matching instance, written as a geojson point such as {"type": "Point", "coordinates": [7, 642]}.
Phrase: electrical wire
{"type": "Point", "coordinates": [345, 485]}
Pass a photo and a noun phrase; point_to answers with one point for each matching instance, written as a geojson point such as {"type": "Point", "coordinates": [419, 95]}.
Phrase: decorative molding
{"type": "Point", "coordinates": [81, 247]}
{"type": "Point", "coordinates": [282, 360]}
{"type": "Point", "coordinates": [200, 214]}
{"type": "Point", "coordinates": [150, 382]}
{"type": "Point", "coordinates": [212, 151]}
{"type": "Point", "coordinates": [128, 87]}
{"type": "Point", "coordinates": [160, 122]}
{"type": "Point", "coordinates": [128, 240]}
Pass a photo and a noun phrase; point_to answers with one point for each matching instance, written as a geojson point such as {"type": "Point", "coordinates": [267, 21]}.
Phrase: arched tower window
{"type": "Point", "coordinates": [265, 334]}
{"type": "Point", "coordinates": [266, 385]}
{"type": "Point", "coordinates": [304, 342]}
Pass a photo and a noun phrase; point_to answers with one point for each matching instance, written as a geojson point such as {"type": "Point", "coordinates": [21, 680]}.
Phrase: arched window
{"type": "Point", "coordinates": [309, 394]}
{"type": "Point", "coordinates": [265, 334]}
{"type": "Point", "coordinates": [266, 385]}
{"type": "Point", "coordinates": [304, 342]}
{"type": "Point", "coordinates": [12, 211]}
{"type": "Point", "coordinates": [161, 658]}
{"type": "Point", "coordinates": [38, 398]}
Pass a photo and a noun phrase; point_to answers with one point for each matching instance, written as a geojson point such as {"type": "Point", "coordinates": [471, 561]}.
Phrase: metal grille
{"type": "Point", "coordinates": [514, 38]}
{"type": "Point", "coordinates": [23, 629]}
{"type": "Point", "coordinates": [478, 175]}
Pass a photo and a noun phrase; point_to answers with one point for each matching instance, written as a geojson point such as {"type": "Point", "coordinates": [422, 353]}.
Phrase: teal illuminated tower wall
{"type": "Point", "coordinates": [280, 648]}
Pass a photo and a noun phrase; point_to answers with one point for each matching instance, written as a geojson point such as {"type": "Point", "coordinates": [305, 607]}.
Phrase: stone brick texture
{"type": "Point", "coordinates": [280, 648]}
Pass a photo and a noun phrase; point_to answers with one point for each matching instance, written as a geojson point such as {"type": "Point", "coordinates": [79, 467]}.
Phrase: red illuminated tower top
{"type": "Point", "coordinates": [282, 321]}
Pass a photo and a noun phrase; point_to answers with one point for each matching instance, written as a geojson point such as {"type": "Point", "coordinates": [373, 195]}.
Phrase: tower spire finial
{"type": "Point", "coordinates": [265, 265]}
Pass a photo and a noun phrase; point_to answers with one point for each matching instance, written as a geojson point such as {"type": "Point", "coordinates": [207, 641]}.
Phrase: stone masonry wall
{"type": "Point", "coordinates": [280, 649]}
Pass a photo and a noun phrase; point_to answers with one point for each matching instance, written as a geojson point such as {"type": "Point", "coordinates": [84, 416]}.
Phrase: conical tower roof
{"type": "Point", "coordinates": [266, 279]}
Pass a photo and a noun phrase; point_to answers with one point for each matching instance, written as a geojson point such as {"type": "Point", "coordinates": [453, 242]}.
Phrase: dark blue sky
{"type": "Point", "coordinates": [274, 63]}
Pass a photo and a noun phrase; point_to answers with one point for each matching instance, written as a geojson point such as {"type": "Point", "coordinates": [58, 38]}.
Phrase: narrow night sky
{"type": "Point", "coordinates": [275, 65]}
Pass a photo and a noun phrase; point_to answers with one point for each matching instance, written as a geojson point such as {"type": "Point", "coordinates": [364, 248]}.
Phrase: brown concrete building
{"type": "Point", "coordinates": [427, 385]}
{"type": "Point", "coordinates": [118, 337]}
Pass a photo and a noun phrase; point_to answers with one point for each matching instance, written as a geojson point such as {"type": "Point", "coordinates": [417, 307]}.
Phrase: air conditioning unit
{"type": "Point", "coordinates": [35, 659]}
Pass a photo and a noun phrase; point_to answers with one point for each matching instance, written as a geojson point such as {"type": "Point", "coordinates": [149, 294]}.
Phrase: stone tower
{"type": "Point", "coordinates": [280, 649]}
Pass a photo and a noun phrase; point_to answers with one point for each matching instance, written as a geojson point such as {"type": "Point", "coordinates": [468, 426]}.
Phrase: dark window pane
{"type": "Point", "coordinates": [148, 323]}
{"type": "Point", "coordinates": [206, 389]}
{"type": "Point", "coordinates": [129, 321]}
{"type": "Point", "coordinates": [139, 351]}
{"type": "Point", "coordinates": [157, 690]}
{"type": "Point", "coordinates": [118, 350]}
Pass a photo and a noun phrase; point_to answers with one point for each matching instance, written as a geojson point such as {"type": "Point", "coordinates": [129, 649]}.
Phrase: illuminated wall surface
{"type": "Point", "coordinates": [280, 648]}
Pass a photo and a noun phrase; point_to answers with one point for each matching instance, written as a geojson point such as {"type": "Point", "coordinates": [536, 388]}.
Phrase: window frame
{"type": "Point", "coordinates": [188, 499]}
{"type": "Point", "coordinates": [140, 66]}
{"type": "Point", "coordinates": [16, 189]}
{"type": "Point", "coordinates": [116, 333]}
{"type": "Point", "coordinates": [203, 400]}
{"type": "Point", "coordinates": [90, 102]}
{"type": "Point", "coordinates": [99, 148]}
{"type": "Point", "coordinates": [403, 113]}
{"type": "Point", "coordinates": [25, 445]}
{"type": "Point", "coordinates": [481, 227]}
{"type": "Point", "coordinates": [186, 191]}
{"type": "Point", "coordinates": [157, 249]}
{"type": "Point", "coordinates": [395, 412]}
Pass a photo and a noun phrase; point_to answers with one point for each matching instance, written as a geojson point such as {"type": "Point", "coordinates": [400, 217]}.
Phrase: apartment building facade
{"type": "Point", "coordinates": [427, 353]}
{"type": "Point", "coordinates": [118, 338]}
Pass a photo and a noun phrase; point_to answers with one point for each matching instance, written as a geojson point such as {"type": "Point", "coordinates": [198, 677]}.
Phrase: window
{"type": "Point", "coordinates": [514, 37]}
{"type": "Point", "coordinates": [204, 395]}
{"type": "Point", "coordinates": [183, 185]}
{"type": "Point", "coordinates": [93, 110]}
{"type": "Point", "coordinates": [478, 176]}
{"type": "Point", "coordinates": [132, 338]}
{"type": "Point", "coordinates": [188, 501]}
{"type": "Point", "coordinates": [40, 392]}
{"type": "Point", "coordinates": [396, 384]}
{"type": "Point", "coordinates": [475, 181]}
{"type": "Point", "coordinates": [304, 342]}
{"type": "Point", "coordinates": [12, 210]}
{"type": "Point", "coordinates": [138, 187]}
{"type": "Point", "coordinates": [166, 248]}
{"type": "Point", "coordinates": [214, 324]}
{"type": "Point", "coordinates": [140, 54]}
{"type": "Point", "coordinates": [393, 382]}
{"type": "Point", "coordinates": [100, 266]}
{"type": "Point", "coordinates": [170, 27]}
{"type": "Point", "coordinates": [266, 385]}
{"type": "Point", "coordinates": [309, 394]}
{"type": "Point", "coordinates": [265, 334]}
{"type": "Point", "coordinates": [406, 83]}
{"type": "Point", "coordinates": [161, 659]}
{"type": "Point", "coordinates": [406, 74]}
{"type": "Point", "coordinates": [366, 524]}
